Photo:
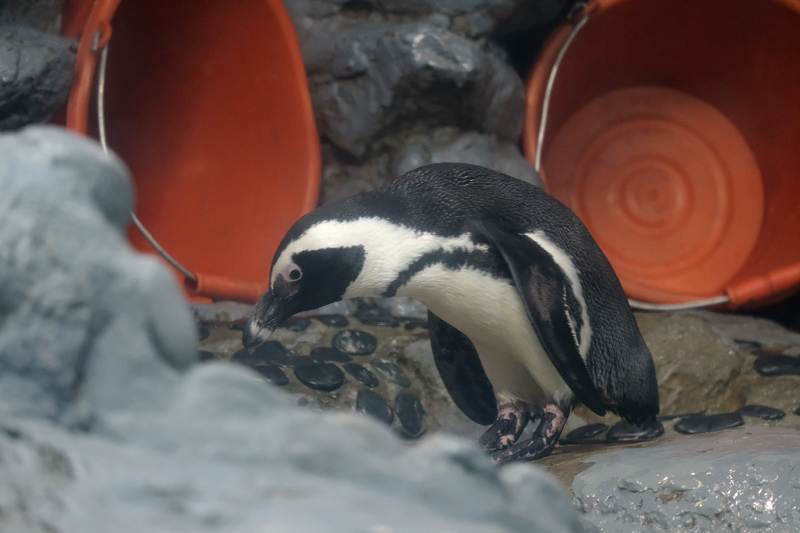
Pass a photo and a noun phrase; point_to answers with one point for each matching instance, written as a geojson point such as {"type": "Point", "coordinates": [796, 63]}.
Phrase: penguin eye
{"type": "Point", "coordinates": [294, 273]}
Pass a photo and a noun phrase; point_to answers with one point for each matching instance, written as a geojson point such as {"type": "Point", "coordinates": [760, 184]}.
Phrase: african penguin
{"type": "Point", "coordinates": [526, 315]}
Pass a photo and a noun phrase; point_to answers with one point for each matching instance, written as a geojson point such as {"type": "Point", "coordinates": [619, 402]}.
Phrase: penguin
{"type": "Point", "coordinates": [526, 315]}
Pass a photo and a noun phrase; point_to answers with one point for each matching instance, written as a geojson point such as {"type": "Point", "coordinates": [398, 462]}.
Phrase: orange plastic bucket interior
{"type": "Point", "coordinates": [208, 105]}
{"type": "Point", "coordinates": [673, 131]}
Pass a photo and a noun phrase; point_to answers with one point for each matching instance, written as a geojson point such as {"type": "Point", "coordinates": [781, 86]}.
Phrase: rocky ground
{"type": "Point", "coordinates": [728, 456]}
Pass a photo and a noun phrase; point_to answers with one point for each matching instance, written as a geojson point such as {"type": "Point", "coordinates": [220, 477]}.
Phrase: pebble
{"type": "Point", "coordinates": [354, 342]}
{"type": "Point", "coordinates": [202, 333]}
{"type": "Point", "coordinates": [377, 317]}
{"type": "Point", "coordinates": [296, 324]}
{"type": "Point", "coordinates": [414, 323]}
{"type": "Point", "coordinates": [776, 365]}
{"type": "Point", "coordinates": [336, 321]}
{"type": "Point", "coordinates": [322, 353]}
{"type": "Point", "coordinates": [624, 431]}
{"type": "Point", "coordinates": [268, 352]}
{"type": "Point", "coordinates": [707, 423]}
{"type": "Point", "coordinates": [762, 411]}
{"type": "Point", "coordinates": [272, 374]}
{"type": "Point", "coordinates": [204, 355]}
{"type": "Point", "coordinates": [320, 376]}
{"type": "Point", "coordinates": [238, 325]}
{"type": "Point", "coordinates": [584, 433]}
{"type": "Point", "coordinates": [294, 361]}
{"type": "Point", "coordinates": [370, 403]}
{"type": "Point", "coordinates": [392, 372]}
{"type": "Point", "coordinates": [667, 418]}
{"type": "Point", "coordinates": [362, 374]}
{"type": "Point", "coordinates": [410, 412]}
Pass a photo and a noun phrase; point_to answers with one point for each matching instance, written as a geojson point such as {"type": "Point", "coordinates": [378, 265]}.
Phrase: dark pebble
{"type": "Point", "coordinates": [268, 352]}
{"type": "Point", "coordinates": [706, 423]}
{"type": "Point", "coordinates": [238, 325]}
{"type": "Point", "coordinates": [667, 418]}
{"type": "Point", "coordinates": [377, 317]}
{"type": "Point", "coordinates": [320, 376]}
{"type": "Point", "coordinates": [626, 432]}
{"type": "Point", "coordinates": [414, 323]}
{"type": "Point", "coordinates": [354, 342]}
{"type": "Point", "coordinates": [329, 354]}
{"type": "Point", "coordinates": [362, 374]}
{"type": "Point", "coordinates": [202, 333]}
{"type": "Point", "coordinates": [271, 352]}
{"type": "Point", "coordinates": [273, 374]}
{"type": "Point", "coordinates": [748, 345]}
{"type": "Point", "coordinates": [762, 411]}
{"type": "Point", "coordinates": [337, 321]}
{"type": "Point", "coordinates": [392, 372]}
{"type": "Point", "coordinates": [797, 411]}
{"type": "Point", "coordinates": [204, 355]}
{"type": "Point", "coordinates": [296, 324]}
{"type": "Point", "coordinates": [584, 433]}
{"type": "Point", "coordinates": [368, 402]}
{"type": "Point", "coordinates": [776, 365]}
{"type": "Point", "coordinates": [410, 412]}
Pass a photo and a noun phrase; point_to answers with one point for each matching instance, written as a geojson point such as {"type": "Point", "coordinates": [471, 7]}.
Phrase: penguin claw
{"type": "Point", "coordinates": [511, 419]}
{"type": "Point", "coordinates": [541, 444]}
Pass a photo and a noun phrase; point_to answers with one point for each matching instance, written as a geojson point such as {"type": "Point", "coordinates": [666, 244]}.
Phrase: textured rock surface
{"type": "Point", "coordinates": [87, 323]}
{"type": "Point", "coordinates": [395, 85]}
{"type": "Point", "coordinates": [743, 479]}
{"type": "Point", "coordinates": [36, 71]}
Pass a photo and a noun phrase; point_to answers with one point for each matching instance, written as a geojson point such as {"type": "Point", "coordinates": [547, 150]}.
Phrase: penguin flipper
{"type": "Point", "coordinates": [542, 285]}
{"type": "Point", "coordinates": [462, 372]}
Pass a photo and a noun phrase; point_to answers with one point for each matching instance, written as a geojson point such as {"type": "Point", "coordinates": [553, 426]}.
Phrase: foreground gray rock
{"type": "Point", "coordinates": [106, 426]}
{"type": "Point", "coordinates": [744, 479]}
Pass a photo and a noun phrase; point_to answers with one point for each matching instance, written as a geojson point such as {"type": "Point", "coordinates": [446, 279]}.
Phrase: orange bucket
{"type": "Point", "coordinates": [207, 103]}
{"type": "Point", "coordinates": [672, 129]}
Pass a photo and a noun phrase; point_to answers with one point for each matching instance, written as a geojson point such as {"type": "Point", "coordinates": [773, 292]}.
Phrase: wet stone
{"type": "Point", "coordinates": [362, 374]}
{"type": "Point", "coordinates": [322, 353]}
{"type": "Point", "coordinates": [336, 321]}
{"type": "Point", "coordinates": [377, 317]}
{"type": "Point", "coordinates": [268, 352]}
{"type": "Point", "coordinates": [204, 355]}
{"type": "Point", "coordinates": [320, 376]}
{"type": "Point", "coordinates": [296, 324]}
{"type": "Point", "coordinates": [392, 372]}
{"type": "Point", "coordinates": [202, 333]}
{"type": "Point", "coordinates": [294, 361]}
{"type": "Point", "coordinates": [272, 374]}
{"type": "Point", "coordinates": [777, 365]}
{"type": "Point", "coordinates": [409, 412]}
{"type": "Point", "coordinates": [354, 342]}
{"type": "Point", "coordinates": [414, 323]}
{"type": "Point", "coordinates": [667, 418]}
{"type": "Point", "coordinates": [370, 403]}
{"type": "Point", "coordinates": [584, 433]}
{"type": "Point", "coordinates": [626, 432]}
{"type": "Point", "coordinates": [238, 325]}
{"type": "Point", "coordinates": [762, 411]}
{"type": "Point", "coordinates": [706, 423]}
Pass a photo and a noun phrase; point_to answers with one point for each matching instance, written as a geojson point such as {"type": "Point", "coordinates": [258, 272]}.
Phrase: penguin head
{"type": "Point", "coordinates": [309, 270]}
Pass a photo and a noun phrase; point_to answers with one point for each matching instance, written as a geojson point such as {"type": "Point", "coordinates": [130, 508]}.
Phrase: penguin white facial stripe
{"type": "Point", "coordinates": [389, 248]}
{"type": "Point", "coordinates": [571, 272]}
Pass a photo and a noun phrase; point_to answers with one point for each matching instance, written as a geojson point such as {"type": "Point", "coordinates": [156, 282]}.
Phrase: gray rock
{"type": "Point", "coordinates": [83, 318]}
{"type": "Point", "coordinates": [450, 145]}
{"type": "Point", "coordinates": [36, 72]}
{"type": "Point", "coordinates": [42, 15]}
{"type": "Point", "coordinates": [230, 454]}
{"type": "Point", "coordinates": [735, 480]}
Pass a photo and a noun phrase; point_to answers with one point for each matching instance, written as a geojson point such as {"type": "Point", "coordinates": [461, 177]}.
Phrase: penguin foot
{"type": "Point", "coordinates": [544, 439]}
{"type": "Point", "coordinates": [511, 420]}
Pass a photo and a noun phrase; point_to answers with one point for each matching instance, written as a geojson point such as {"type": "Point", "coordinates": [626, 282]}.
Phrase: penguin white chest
{"type": "Point", "coordinates": [490, 312]}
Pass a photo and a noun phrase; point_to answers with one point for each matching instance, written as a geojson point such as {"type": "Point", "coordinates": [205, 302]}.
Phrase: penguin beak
{"type": "Point", "coordinates": [269, 313]}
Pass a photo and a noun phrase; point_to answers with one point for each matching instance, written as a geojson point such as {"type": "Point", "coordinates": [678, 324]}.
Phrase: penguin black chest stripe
{"type": "Point", "coordinates": [451, 260]}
